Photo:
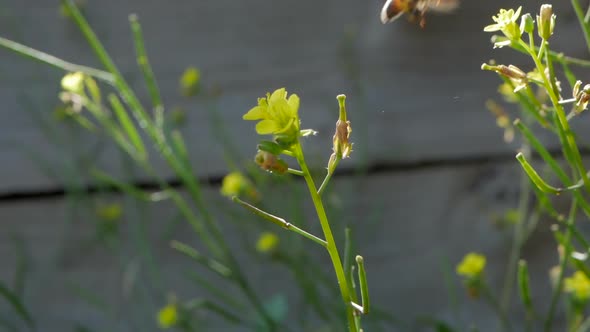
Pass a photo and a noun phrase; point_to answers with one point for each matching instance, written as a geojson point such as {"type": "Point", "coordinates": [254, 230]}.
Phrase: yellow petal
{"type": "Point", "coordinates": [266, 127]}
{"type": "Point", "coordinates": [256, 113]}
{"type": "Point", "coordinates": [294, 104]}
{"type": "Point", "coordinates": [278, 94]}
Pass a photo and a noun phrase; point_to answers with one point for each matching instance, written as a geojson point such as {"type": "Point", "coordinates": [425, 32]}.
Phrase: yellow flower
{"type": "Point", "coordinates": [267, 242]}
{"type": "Point", "coordinates": [578, 285]}
{"type": "Point", "coordinates": [506, 22]}
{"type": "Point", "coordinates": [168, 316]}
{"type": "Point", "coordinates": [110, 212]}
{"type": "Point", "coordinates": [73, 82]}
{"type": "Point", "coordinates": [236, 184]}
{"type": "Point", "coordinates": [472, 265]}
{"type": "Point", "coordinates": [190, 81]}
{"type": "Point", "coordinates": [278, 114]}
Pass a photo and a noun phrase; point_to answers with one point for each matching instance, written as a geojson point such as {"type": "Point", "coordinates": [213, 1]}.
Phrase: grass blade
{"type": "Point", "coordinates": [16, 304]}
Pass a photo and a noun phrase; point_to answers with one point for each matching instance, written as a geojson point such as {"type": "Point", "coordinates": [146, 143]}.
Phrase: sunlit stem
{"type": "Point", "coordinates": [279, 221]}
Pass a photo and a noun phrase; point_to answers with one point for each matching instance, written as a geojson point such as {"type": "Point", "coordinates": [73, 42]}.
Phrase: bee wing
{"type": "Point", "coordinates": [443, 6]}
{"type": "Point", "coordinates": [392, 10]}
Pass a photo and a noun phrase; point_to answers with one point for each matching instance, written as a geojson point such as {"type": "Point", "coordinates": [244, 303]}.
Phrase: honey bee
{"type": "Point", "coordinates": [416, 9]}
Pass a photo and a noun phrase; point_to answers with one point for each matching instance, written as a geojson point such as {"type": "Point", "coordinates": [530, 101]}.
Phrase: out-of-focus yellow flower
{"type": "Point", "coordinates": [110, 212]}
{"type": "Point", "coordinates": [73, 82]}
{"type": "Point", "coordinates": [236, 184]}
{"type": "Point", "coordinates": [267, 242]}
{"type": "Point", "coordinates": [472, 265]}
{"type": "Point", "coordinates": [578, 285]}
{"type": "Point", "coordinates": [168, 316]}
{"type": "Point", "coordinates": [190, 81]}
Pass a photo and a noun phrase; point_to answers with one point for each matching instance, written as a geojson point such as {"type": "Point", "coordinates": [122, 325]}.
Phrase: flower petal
{"type": "Point", "coordinates": [286, 127]}
{"type": "Point", "coordinates": [266, 127]}
{"type": "Point", "coordinates": [293, 104]}
{"type": "Point", "coordinates": [256, 113]}
{"type": "Point", "coordinates": [492, 28]}
{"type": "Point", "coordinates": [277, 95]}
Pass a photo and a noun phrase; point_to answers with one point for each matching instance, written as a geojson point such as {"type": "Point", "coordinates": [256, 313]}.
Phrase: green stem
{"type": "Point", "coordinates": [489, 296]}
{"type": "Point", "coordinates": [279, 221]}
{"type": "Point", "coordinates": [544, 153]}
{"type": "Point", "coordinates": [567, 251]}
{"type": "Point", "coordinates": [364, 285]}
{"type": "Point", "coordinates": [331, 243]}
{"type": "Point", "coordinates": [583, 24]}
{"type": "Point", "coordinates": [517, 242]}
{"type": "Point", "coordinates": [143, 62]}
{"type": "Point", "coordinates": [54, 61]}
{"type": "Point", "coordinates": [328, 176]}
{"type": "Point", "coordinates": [294, 171]}
{"type": "Point", "coordinates": [569, 142]}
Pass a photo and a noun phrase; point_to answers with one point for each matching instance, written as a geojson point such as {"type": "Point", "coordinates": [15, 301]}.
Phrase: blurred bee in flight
{"type": "Point", "coordinates": [416, 9]}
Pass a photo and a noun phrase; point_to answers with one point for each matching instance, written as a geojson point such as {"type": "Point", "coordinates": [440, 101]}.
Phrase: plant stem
{"type": "Point", "coordinates": [567, 251]}
{"type": "Point", "coordinates": [331, 244]}
{"type": "Point", "coordinates": [279, 221]}
{"type": "Point", "coordinates": [563, 126]}
{"type": "Point", "coordinates": [143, 62]}
{"type": "Point", "coordinates": [55, 61]}
{"type": "Point", "coordinates": [495, 306]}
{"type": "Point", "coordinates": [582, 20]}
{"type": "Point", "coordinates": [328, 176]}
{"type": "Point", "coordinates": [517, 241]}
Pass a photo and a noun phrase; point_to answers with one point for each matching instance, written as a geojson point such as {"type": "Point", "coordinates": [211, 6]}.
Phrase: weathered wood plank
{"type": "Point", "coordinates": [418, 94]}
{"type": "Point", "coordinates": [405, 225]}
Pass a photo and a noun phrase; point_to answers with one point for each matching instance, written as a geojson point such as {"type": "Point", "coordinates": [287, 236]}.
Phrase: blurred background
{"type": "Point", "coordinates": [430, 179]}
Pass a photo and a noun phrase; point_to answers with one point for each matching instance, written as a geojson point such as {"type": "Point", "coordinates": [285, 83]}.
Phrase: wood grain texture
{"type": "Point", "coordinates": [414, 94]}
{"type": "Point", "coordinates": [407, 226]}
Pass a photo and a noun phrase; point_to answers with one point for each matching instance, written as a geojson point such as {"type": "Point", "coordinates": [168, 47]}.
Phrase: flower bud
{"type": "Point", "coordinates": [341, 146]}
{"type": "Point", "coordinates": [527, 24]}
{"type": "Point", "coordinates": [269, 162]}
{"type": "Point", "coordinates": [545, 21]}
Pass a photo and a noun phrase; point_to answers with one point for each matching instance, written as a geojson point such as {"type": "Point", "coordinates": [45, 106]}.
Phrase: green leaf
{"type": "Point", "coordinates": [271, 147]}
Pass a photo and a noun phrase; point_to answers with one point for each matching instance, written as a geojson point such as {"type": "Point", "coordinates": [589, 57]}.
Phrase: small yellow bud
{"type": "Point", "coordinates": [190, 81]}
{"type": "Point", "coordinates": [267, 242]}
{"type": "Point", "coordinates": [168, 316]}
